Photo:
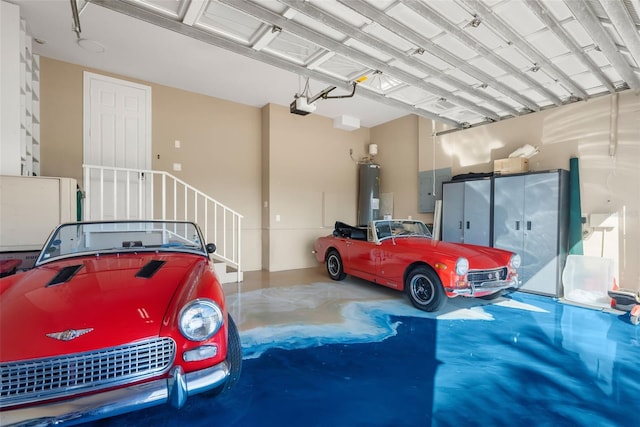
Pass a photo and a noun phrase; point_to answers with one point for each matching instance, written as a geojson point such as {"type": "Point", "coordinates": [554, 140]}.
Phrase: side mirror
{"type": "Point", "coordinates": [211, 247]}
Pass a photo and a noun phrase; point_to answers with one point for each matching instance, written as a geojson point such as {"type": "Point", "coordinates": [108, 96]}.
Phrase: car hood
{"type": "Point", "coordinates": [107, 300]}
{"type": "Point", "coordinates": [479, 257]}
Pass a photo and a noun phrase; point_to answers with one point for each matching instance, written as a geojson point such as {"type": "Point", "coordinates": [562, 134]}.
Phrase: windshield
{"type": "Point", "coordinates": [400, 228]}
{"type": "Point", "coordinates": [121, 236]}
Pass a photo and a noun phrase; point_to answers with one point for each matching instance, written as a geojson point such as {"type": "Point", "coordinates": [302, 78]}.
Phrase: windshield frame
{"type": "Point", "coordinates": [381, 230]}
{"type": "Point", "coordinates": [89, 238]}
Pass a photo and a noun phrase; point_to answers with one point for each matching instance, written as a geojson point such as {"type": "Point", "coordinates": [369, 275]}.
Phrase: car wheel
{"type": "Point", "coordinates": [424, 288]}
{"type": "Point", "coordinates": [493, 295]}
{"type": "Point", "coordinates": [334, 265]}
{"type": "Point", "coordinates": [234, 360]}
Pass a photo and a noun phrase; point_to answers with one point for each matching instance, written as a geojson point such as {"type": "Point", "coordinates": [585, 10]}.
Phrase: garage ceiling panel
{"type": "Point", "coordinates": [517, 13]}
{"type": "Point", "coordinates": [412, 20]}
{"type": "Point", "coordinates": [230, 23]}
{"type": "Point", "coordinates": [461, 62]}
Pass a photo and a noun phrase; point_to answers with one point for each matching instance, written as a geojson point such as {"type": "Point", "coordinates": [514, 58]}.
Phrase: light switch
{"type": "Point", "coordinates": [177, 143]}
{"type": "Point", "coordinates": [177, 167]}
{"type": "Point", "coordinates": [277, 218]}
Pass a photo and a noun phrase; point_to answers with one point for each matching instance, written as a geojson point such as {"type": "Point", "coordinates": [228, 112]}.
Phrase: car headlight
{"type": "Point", "coordinates": [200, 319]}
{"type": "Point", "coordinates": [515, 261]}
{"type": "Point", "coordinates": [462, 266]}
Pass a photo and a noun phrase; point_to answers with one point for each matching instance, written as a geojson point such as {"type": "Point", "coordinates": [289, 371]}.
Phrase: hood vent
{"type": "Point", "coordinates": [149, 270]}
{"type": "Point", "coordinates": [65, 275]}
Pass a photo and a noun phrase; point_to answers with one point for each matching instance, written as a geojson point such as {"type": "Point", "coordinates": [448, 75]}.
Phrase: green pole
{"type": "Point", "coordinates": [78, 204]}
{"type": "Point", "coordinates": [575, 212]}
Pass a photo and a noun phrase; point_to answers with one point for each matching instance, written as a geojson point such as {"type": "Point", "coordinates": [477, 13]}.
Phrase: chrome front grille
{"type": "Point", "coordinates": [27, 381]}
{"type": "Point", "coordinates": [478, 277]}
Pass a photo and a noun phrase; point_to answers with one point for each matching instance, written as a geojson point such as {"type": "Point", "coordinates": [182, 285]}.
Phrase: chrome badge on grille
{"type": "Point", "coordinates": [69, 334]}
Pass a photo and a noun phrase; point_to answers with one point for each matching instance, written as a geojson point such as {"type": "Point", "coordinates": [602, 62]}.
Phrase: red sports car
{"type": "Point", "coordinates": [401, 254]}
{"type": "Point", "coordinates": [114, 317]}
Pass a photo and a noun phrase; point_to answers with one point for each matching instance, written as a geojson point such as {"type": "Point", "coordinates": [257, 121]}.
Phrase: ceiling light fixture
{"type": "Point", "coordinates": [475, 22]}
{"type": "Point", "coordinates": [91, 45]}
{"type": "Point", "coordinates": [418, 51]}
{"type": "Point", "coordinates": [535, 68]}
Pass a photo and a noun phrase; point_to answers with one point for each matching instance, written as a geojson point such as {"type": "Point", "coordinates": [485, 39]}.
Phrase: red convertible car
{"type": "Point", "coordinates": [401, 254]}
{"type": "Point", "coordinates": [114, 317]}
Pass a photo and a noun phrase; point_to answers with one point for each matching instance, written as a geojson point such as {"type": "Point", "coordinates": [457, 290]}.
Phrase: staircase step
{"type": "Point", "coordinates": [226, 276]}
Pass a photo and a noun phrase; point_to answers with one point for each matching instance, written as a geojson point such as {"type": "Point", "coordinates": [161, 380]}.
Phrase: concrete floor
{"type": "Point", "coordinates": [350, 353]}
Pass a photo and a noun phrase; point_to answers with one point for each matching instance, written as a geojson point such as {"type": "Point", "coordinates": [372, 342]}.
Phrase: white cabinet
{"type": "Point", "coordinates": [25, 223]}
{"type": "Point", "coordinates": [20, 97]}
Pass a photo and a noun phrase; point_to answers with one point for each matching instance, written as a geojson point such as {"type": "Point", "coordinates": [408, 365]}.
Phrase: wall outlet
{"type": "Point", "coordinates": [177, 167]}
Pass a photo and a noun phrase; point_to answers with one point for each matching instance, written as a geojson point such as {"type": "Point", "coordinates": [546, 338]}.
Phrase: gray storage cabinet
{"type": "Point", "coordinates": [531, 218]}
{"type": "Point", "coordinates": [466, 211]}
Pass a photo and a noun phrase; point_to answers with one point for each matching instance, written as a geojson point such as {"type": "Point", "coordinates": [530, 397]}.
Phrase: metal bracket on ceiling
{"type": "Point", "coordinates": [76, 18]}
{"type": "Point", "coordinates": [324, 94]}
{"type": "Point", "coordinates": [77, 6]}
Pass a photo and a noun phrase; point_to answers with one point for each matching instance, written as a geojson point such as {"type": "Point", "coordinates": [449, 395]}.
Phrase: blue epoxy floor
{"type": "Point", "coordinates": [323, 353]}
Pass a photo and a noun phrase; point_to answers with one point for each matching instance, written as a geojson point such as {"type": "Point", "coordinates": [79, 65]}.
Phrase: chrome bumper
{"type": "Point", "coordinates": [495, 286]}
{"type": "Point", "coordinates": [173, 390]}
{"type": "Point", "coordinates": [487, 286]}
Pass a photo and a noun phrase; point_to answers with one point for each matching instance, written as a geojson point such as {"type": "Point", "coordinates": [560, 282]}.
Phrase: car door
{"type": "Point", "coordinates": [362, 258]}
{"type": "Point", "coordinates": [390, 263]}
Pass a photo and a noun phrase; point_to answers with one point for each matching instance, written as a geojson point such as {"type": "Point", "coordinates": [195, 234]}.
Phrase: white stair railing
{"type": "Point", "coordinates": [112, 193]}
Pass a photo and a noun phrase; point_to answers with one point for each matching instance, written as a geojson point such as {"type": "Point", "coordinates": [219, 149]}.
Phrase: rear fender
{"type": "Point", "coordinates": [329, 249]}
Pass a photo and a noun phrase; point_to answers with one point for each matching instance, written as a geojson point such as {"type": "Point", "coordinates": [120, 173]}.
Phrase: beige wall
{"type": "Point", "coordinates": [398, 159]}
{"type": "Point", "coordinates": [609, 184]}
{"type": "Point", "coordinates": [220, 143]}
{"type": "Point", "coordinates": [312, 182]}
{"type": "Point", "coordinates": [61, 119]}
{"type": "Point", "coordinates": [259, 162]}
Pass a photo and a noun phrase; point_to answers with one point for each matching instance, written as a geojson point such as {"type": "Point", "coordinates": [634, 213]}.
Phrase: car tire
{"type": "Point", "coordinates": [234, 354]}
{"type": "Point", "coordinates": [424, 288]}
{"type": "Point", "coordinates": [492, 296]}
{"type": "Point", "coordinates": [334, 265]}
{"type": "Point", "coordinates": [234, 360]}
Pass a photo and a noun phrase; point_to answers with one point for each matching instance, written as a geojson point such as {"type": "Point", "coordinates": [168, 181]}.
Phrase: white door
{"type": "Point", "coordinates": [117, 134]}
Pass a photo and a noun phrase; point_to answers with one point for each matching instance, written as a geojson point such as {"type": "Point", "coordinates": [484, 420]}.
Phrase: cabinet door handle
{"type": "Point", "coordinates": [460, 225]}
{"type": "Point", "coordinates": [517, 225]}
{"type": "Point", "coordinates": [529, 225]}
{"type": "Point", "coordinates": [468, 225]}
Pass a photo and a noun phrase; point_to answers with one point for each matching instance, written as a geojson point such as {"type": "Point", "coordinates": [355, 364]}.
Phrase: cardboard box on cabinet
{"type": "Point", "coordinates": [510, 165]}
